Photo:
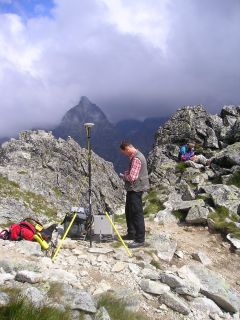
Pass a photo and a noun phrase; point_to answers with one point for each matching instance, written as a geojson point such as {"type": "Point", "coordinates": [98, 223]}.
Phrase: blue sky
{"type": "Point", "coordinates": [133, 58]}
{"type": "Point", "coordinates": [27, 8]}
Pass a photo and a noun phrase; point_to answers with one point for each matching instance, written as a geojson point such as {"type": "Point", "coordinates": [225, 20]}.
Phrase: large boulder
{"type": "Point", "coordinates": [214, 287]}
{"type": "Point", "coordinates": [229, 156]}
{"type": "Point", "coordinates": [225, 196]}
{"type": "Point", "coordinates": [188, 123]}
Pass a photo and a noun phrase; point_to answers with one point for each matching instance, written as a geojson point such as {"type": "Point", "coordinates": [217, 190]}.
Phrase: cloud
{"type": "Point", "coordinates": [132, 58]}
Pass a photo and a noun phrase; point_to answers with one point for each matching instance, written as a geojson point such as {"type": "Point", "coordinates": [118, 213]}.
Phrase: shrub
{"type": "Point", "coordinates": [21, 310]}
{"type": "Point", "coordinates": [180, 215]}
{"type": "Point", "coordinates": [219, 217]}
{"type": "Point", "coordinates": [181, 167]}
{"type": "Point", "coordinates": [235, 179]}
{"type": "Point", "coordinates": [153, 204]}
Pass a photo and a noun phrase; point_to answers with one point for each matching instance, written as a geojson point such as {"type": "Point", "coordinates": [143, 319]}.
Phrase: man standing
{"type": "Point", "coordinates": [136, 182]}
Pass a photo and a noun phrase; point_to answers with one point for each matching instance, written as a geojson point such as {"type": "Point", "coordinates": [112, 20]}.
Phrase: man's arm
{"type": "Point", "coordinates": [133, 173]}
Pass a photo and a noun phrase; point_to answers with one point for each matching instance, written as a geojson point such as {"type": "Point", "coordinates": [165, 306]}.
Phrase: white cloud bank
{"type": "Point", "coordinates": [133, 58]}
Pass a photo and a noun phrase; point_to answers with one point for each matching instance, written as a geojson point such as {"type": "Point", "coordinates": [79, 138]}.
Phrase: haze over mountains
{"type": "Point", "coordinates": [107, 136]}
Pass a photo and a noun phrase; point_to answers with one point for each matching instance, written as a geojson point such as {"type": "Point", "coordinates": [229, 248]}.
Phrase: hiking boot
{"type": "Point", "coordinates": [135, 244]}
{"type": "Point", "coordinates": [128, 237]}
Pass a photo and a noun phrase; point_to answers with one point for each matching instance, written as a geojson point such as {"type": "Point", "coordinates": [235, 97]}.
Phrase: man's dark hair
{"type": "Point", "coordinates": [125, 144]}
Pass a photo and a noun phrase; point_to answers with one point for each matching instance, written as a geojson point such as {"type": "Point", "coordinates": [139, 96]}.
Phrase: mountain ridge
{"type": "Point", "coordinates": [106, 136]}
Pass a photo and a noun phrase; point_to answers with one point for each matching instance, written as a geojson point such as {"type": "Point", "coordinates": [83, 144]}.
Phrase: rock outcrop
{"type": "Point", "coordinates": [195, 192]}
{"type": "Point", "coordinates": [43, 176]}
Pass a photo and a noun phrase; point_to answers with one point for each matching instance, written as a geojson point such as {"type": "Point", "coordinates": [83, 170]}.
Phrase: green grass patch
{"type": "Point", "coordinates": [13, 292]}
{"type": "Point", "coordinates": [216, 180]}
{"type": "Point", "coordinates": [37, 203]}
{"type": "Point", "coordinates": [219, 216]}
{"type": "Point", "coordinates": [120, 219]}
{"type": "Point", "coordinates": [235, 179]}
{"type": "Point", "coordinates": [57, 192]}
{"type": "Point", "coordinates": [181, 167]}
{"type": "Point", "coordinates": [156, 264]}
{"type": "Point", "coordinates": [117, 309]}
{"type": "Point", "coordinates": [7, 184]}
{"type": "Point", "coordinates": [116, 244]}
{"type": "Point", "coordinates": [21, 310]}
{"type": "Point", "coordinates": [152, 203]}
{"type": "Point", "coordinates": [180, 215]}
{"type": "Point", "coordinates": [199, 149]}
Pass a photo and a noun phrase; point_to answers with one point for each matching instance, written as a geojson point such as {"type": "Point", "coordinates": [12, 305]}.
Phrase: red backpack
{"type": "Point", "coordinates": [23, 230]}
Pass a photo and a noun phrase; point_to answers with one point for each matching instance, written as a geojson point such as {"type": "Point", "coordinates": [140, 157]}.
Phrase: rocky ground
{"type": "Point", "coordinates": [189, 268]}
{"type": "Point", "coordinates": [185, 283]}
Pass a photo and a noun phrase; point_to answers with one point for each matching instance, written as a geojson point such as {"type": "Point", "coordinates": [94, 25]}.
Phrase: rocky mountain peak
{"type": "Point", "coordinates": [85, 111]}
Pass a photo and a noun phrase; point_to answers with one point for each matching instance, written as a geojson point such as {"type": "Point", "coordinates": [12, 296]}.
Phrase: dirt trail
{"type": "Point", "coordinates": [191, 239]}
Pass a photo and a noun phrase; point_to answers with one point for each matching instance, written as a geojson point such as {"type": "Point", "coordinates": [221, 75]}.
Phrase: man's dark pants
{"type": "Point", "coordinates": [134, 216]}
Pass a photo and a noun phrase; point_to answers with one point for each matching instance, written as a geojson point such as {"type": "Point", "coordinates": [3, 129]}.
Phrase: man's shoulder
{"type": "Point", "coordinates": [139, 155]}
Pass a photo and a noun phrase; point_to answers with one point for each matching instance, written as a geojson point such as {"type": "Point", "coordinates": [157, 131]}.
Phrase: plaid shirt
{"type": "Point", "coordinates": [131, 175]}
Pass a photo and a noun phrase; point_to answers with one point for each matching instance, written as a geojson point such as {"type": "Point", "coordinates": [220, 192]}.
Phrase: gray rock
{"type": "Point", "coordinates": [171, 279]}
{"type": "Point", "coordinates": [187, 290]}
{"type": "Point", "coordinates": [83, 301]}
{"type": "Point", "coordinates": [183, 286]}
{"type": "Point", "coordinates": [179, 254]}
{"type": "Point", "coordinates": [202, 257]}
{"type": "Point", "coordinates": [59, 275]}
{"type": "Point", "coordinates": [118, 267]}
{"type": "Point", "coordinates": [164, 245]}
{"type": "Point", "coordinates": [186, 191]}
{"type": "Point", "coordinates": [29, 248]}
{"type": "Point", "coordinates": [184, 205]}
{"type": "Point", "coordinates": [5, 277]}
{"type": "Point", "coordinates": [153, 287]}
{"type": "Point", "coordinates": [234, 241]}
{"type": "Point", "coordinates": [4, 299]}
{"type": "Point", "coordinates": [174, 302]}
{"type": "Point", "coordinates": [34, 296]}
{"type": "Point", "coordinates": [206, 305]}
{"type": "Point", "coordinates": [134, 268]}
{"type": "Point", "coordinates": [49, 175]}
{"type": "Point", "coordinates": [215, 287]}
{"type": "Point", "coordinates": [100, 250]}
{"type": "Point", "coordinates": [226, 196]}
{"type": "Point", "coordinates": [7, 265]}
{"type": "Point", "coordinates": [149, 274]}
{"type": "Point", "coordinates": [28, 276]}
{"type": "Point", "coordinates": [131, 299]}
{"type": "Point", "coordinates": [165, 216]}
{"type": "Point", "coordinates": [102, 314]}
{"type": "Point", "coordinates": [229, 156]}
{"type": "Point", "coordinates": [74, 315]}
{"type": "Point", "coordinates": [197, 215]}
{"type": "Point", "coordinates": [102, 287]}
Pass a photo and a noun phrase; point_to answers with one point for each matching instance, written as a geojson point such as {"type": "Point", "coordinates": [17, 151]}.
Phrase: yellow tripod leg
{"type": "Point", "coordinates": [63, 238]}
{"type": "Point", "coordinates": [119, 237]}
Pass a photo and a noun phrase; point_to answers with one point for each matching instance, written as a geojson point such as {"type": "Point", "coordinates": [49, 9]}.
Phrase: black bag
{"type": "Point", "coordinates": [78, 228]}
